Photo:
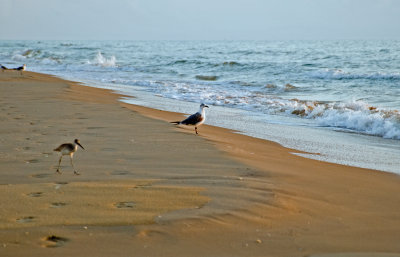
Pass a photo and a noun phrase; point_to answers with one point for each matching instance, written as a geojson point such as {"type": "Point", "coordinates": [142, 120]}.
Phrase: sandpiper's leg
{"type": "Point", "coordinates": [59, 163]}
{"type": "Point", "coordinates": [195, 128]}
{"type": "Point", "coordinates": [72, 163]}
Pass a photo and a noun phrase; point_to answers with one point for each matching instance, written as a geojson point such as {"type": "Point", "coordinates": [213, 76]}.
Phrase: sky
{"type": "Point", "coordinates": [199, 19]}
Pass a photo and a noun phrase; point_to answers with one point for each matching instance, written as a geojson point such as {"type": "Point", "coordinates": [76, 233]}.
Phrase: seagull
{"type": "Point", "coordinates": [68, 149]}
{"type": "Point", "coordinates": [195, 119]}
{"type": "Point", "coordinates": [21, 68]}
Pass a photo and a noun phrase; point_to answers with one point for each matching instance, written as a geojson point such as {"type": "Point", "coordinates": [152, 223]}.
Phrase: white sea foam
{"type": "Point", "coordinates": [338, 74]}
{"type": "Point", "coordinates": [18, 57]}
{"type": "Point", "coordinates": [357, 116]}
{"type": "Point", "coordinates": [100, 60]}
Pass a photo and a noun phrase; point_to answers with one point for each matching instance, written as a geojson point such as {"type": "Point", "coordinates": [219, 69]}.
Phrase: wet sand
{"type": "Point", "coordinates": [150, 188]}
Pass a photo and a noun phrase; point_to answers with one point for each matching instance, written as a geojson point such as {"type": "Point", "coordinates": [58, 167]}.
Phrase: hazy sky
{"type": "Point", "coordinates": [200, 19]}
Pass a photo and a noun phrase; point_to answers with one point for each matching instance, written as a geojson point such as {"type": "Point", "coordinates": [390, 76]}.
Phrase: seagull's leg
{"type": "Point", "coordinates": [59, 163]}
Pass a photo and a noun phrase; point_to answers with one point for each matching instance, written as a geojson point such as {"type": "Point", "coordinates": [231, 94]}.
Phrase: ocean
{"type": "Point", "coordinates": [339, 101]}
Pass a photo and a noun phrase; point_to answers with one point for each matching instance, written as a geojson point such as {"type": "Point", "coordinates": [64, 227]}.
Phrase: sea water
{"type": "Point", "coordinates": [337, 100]}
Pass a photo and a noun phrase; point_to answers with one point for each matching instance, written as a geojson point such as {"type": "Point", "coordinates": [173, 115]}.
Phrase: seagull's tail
{"type": "Point", "coordinates": [175, 122]}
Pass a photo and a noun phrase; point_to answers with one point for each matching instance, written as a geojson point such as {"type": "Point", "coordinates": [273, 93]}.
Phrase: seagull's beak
{"type": "Point", "coordinates": [81, 146]}
{"type": "Point", "coordinates": [206, 106]}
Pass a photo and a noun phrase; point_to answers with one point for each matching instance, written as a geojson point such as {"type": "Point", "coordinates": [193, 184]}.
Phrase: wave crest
{"type": "Point", "coordinates": [356, 115]}
{"type": "Point", "coordinates": [102, 61]}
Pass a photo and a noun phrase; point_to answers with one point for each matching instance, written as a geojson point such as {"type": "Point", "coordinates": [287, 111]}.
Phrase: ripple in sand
{"type": "Point", "coordinates": [28, 219]}
{"type": "Point", "coordinates": [125, 205]}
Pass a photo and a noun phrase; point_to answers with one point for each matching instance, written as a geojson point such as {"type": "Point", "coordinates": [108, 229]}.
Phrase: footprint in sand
{"type": "Point", "coordinates": [47, 154]}
{"type": "Point", "coordinates": [95, 127]}
{"type": "Point", "coordinates": [54, 241]}
{"type": "Point", "coordinates": [58, 205]}
{"type": "Point", "coordinates": [35, 194]}
{"type": "Point", "coordinates": [142, 186]}
{"type": "Point", "coordinates": [108, 149]}
{"type": "Point", "coordinates": [125, 205]}
{"type": "Point", "coordinates": [32, 161]}
{"type": "Point", "coordinates": [40, 175]}
{"type": "Point", "coordinates": [120, 172]}
{"type": "Point", "coordinates": [27, 219]}
{"type": "Point", "coordinates": [60, 184]}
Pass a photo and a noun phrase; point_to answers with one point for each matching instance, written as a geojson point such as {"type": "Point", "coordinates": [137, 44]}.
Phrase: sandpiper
{"type": "Point", "coordinates": [68, 149]}
{"type": "Point", "coordinates": [195, 119]}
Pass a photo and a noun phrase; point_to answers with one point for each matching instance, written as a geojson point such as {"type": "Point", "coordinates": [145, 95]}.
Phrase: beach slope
{"type": "Point", "coordinates": [149, 188]}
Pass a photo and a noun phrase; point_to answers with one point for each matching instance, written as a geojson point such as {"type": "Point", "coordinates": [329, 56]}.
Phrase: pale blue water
{"type": "Point", "coordinates": [300, 88]}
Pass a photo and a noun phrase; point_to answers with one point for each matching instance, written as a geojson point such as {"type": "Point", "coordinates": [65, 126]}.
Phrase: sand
{"type": "Point", "coordinates": [150, 188]}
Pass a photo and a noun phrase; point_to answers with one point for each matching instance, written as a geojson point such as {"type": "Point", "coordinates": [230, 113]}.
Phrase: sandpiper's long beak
{"type": "Point", "coordinates": [81, 146]}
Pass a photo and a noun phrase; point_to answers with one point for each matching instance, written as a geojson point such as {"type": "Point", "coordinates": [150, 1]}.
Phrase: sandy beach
{"type": "Point", "coordinates": [150, 188]}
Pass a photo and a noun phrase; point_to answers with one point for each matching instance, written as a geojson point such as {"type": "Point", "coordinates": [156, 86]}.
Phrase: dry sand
{"type": "Point", "coordinates": [149, 188]}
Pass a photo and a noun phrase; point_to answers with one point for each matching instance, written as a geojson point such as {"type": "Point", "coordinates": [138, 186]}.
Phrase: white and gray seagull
{"type": "Point", "coordinates": [68, 149]}
{"type": "Point", "coordinates": [195, 119]}
{"type": "Point", "coordinates": [21, 69]}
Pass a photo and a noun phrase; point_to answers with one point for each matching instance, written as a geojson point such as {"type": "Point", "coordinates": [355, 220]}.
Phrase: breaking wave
{"type": "Point", "coordinates": [357, 116]}
{"type": "Point", "coordinates": [35, 55]}
{"type": "Point", "coordinates": [100, 60]}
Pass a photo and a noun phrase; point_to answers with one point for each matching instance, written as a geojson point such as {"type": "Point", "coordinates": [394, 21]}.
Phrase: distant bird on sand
{"type": "Point", "coordinates": [21, 68]}
{"type": "Point", "coordinates": [3, 67]}
{"type": "Point", "coordinates": [68, 149]}
{"type": "Point", "coordinates": [195, 119]}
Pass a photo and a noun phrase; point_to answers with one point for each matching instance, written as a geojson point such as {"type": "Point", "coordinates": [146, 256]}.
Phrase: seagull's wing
{"type": "Point", "coordinates": [193, 119]}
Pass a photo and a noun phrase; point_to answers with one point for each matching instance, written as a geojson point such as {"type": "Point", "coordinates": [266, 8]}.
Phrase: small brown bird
{"type": "Point", "coordinates": [68, 149]}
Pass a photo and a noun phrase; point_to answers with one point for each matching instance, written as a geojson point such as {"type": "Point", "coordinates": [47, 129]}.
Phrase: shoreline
{"type": "Point", "coordinates": [263, 199]}
{"type": "Point", "coordinates": [356, 150]}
